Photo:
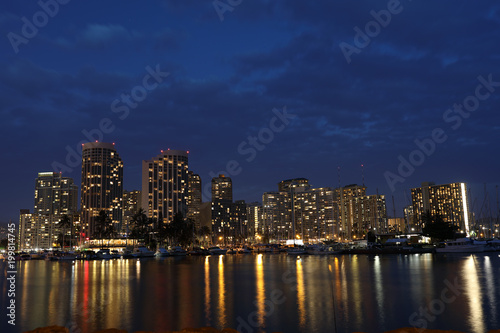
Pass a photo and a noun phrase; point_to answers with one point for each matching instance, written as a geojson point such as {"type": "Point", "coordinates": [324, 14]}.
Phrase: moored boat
{"type": "Point", "coordinates": [215, 250]}
{"type": "Point", "coordinates": [104, 254]}
{"type": "Point", "coordinates": [161, 252]}
{"type": "Point", "coordinates": [143, 252]}
{"type": "Point", "coordinates": [177, 251]}
{"type": "Point", "coordinates": [461, 245]}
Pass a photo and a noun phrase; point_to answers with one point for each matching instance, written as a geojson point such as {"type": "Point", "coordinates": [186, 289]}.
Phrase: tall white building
{"type": "Point", "coordinates": [165, 185]}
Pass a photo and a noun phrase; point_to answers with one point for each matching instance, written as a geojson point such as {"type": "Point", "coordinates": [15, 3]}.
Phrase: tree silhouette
{"type": "Point", "coordinates": [436, 228]}
{"type": "Point", "coordinates": [64, 223]}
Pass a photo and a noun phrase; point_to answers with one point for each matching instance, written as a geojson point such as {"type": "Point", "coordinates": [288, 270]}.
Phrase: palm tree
{"type": "Point", "coordinates": [64, 223]}
{"type": "Point", "coordinates": [102, 225]}
{"type": "Point", "coordinates": [139, 225]}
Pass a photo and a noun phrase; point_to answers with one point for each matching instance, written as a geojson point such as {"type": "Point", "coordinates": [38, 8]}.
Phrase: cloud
{"type": "Point", "coordinates": [102, 34]}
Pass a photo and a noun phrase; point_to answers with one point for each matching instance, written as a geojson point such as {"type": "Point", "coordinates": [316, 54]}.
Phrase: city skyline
{"type": "Point", "coordinates": [268, 90]}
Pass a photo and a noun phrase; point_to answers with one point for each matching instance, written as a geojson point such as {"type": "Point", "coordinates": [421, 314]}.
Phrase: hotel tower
{"type": "Point", "coordinates": [102, 184]}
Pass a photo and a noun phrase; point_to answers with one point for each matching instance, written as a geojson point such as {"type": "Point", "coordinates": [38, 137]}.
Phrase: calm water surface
{"type": "Point", "coordinates": [260, 293]}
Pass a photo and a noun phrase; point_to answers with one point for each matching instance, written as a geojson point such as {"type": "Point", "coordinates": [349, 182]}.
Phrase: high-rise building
{"type": "Point", "coordinates": [165, 185]}
{"type": "Point", "coordinates": [368, 213]}
{"type": "Point", "coordinates": [314, 214]}
{"type": "Point", "coordinates": [448, 200]}
{"type": "Point", "coordinates": [344, 213]}
{"type": "Point", "coordinates": [222, 206]}
{"type": "Point", "coordinates": [276, 216]}
{"type": "Point", "coordinates": [131, 205]}
{"type": "Point", "coordinates": [54, 194]}
{"type": "Point", "coordinates": [254, 217]}
{"type": "Point", "coordinates": [288, 184]}
{"type": "Point", "coordinates": [222, 188]}
{"type": "Point", "coordinates": [194, 198]}
{"type": "Point", "coordinates": [102, 184]}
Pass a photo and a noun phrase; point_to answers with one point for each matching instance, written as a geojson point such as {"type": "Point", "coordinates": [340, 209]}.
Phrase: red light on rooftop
{"type": "Point", "coordinates": [162, 150]}
{"type": "Point", "coordinates": [168, 149]}
{"type": "Point", "coordinates": [96, 141]}
{"type": "Point", "coordinates": [187, 152]}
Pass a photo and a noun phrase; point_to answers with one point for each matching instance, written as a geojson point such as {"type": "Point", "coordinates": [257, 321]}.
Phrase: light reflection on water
{"type": "Point", "coordinates": [370, 293]}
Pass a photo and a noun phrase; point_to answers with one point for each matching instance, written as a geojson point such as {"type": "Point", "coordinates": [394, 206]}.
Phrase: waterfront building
{"type": "Point", "coordinates": [55, 196]}
{"type": "Point", "coordinates": [102, 185]}
{"type": "Point", "coordinates": [344, 209]}
{"type": "Point", "coordinates": [276, 216]}
{"type": "Point", "coordinates": [314, 214]}
{"type": "Point", "coordinates": [448, 200]}
{"type": "Point", "coordinates": [254, 217]}
{"type": "Point", "coordinates": [410, 220]}
{"type": "Point", "coordinates": [194, 198]}
{"type": "Point", "coordinates": [165, 185]}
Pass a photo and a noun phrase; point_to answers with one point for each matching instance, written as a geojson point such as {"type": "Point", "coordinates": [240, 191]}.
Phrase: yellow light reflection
{"type": "Point", "coordinates": [301, 295]}
{"type": "Point", "coordinates": [261, 292]}
{"type": "Point", "coordinates": [207, 291]}
{"type": "Point", "coordinates": [222, 293]}
{"type": "Point", "coordinates": [379, 288]}
{"type": "Point", "coordinates": [473, 293]}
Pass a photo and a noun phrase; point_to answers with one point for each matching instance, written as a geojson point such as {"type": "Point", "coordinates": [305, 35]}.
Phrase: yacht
{"type": "Point", "coordinates": [244, 250]}
{"type": "Point", "coordinates": [104, 254]}
{"type": "Point", "coordinates": [143, 252]}
{"type": "Point", "coordinates": [177, 251]}
{"type": "Point", "coordinates": [317, 249]}
{"type": "Point", "coordinates": [461, 245]}
{"type": "Point", "coordinates": [296, 251]}
{"type": "Point", "coordinates": [161, 252]}
{"type": "Point", "coordinates": [216, 250]}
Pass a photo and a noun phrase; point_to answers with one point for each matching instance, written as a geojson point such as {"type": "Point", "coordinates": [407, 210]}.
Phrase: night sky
{"type": "Point", "coordinates": [350, 83]}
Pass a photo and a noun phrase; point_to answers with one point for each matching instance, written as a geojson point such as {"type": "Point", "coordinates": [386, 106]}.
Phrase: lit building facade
{"type": "Point", "coordinates": [102, 185]}
{"type": "Point", "coordinates": [222, 207]}
{"type": "Point", "coordinates": [165, 185]}
{"type": "Point", "coordinates": [254, 217]}
{"type": "Point", "coordinates": [448, 200]}
{"type": "Point", "coordinates": [194, 198]}
{"type": "Point", "coordinates": [55, 196]}
{"type": "Point", "coordinates": [344, 214]}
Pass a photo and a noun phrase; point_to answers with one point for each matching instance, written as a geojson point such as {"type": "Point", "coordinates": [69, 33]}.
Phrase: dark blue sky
{"type": "Point", "coordinates": [400, 76]}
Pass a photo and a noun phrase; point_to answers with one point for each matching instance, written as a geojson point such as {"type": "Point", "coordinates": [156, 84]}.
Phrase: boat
{"type": "Point", "coordinates": [104, 254]}
{"type": "Point", "coordinates": [88, 255]}
{"type": "Point", "coordinates": [317, 249]}
{"type": "Point", "coordinates": [60, 256]}
{"type": "Point", "coordinates": [177, 251]}
{"type": "Point", "coordinates": [296, 251]}
{"type": "Point", "coordinates": [115, 254]}
{"type": "Point", "coordinates": [161, 252]}
{"type": "Point", "coordinates": [198, 251]}
{"type": "Point", "coordinates": [215, 250]}
{"type": "Point", "coordinates": [244, 250]}
{"type": "Point", "coordinates": [231, 251]}
{"type": "Point", "coordinates": [143, 252]}
{"type": "Point", "coordinates": [128, 254]}
{"type": "Point", "coordinates": [461, 245]}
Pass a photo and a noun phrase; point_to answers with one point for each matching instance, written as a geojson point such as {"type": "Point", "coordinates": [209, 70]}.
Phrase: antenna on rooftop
{"type": "Point", "coordinates": [363, 173]}
{"type": "Point", "coordinates": [338, 174]}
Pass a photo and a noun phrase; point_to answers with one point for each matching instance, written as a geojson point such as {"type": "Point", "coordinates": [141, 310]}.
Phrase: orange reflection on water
{"type": "Point", "coordinates": [207, 291]}
{"type": "Point", "coordinates": [301, 295]}
{"type": "Point", "coordinates": [222, 294]}
{"type": "Point", "coordinates": [261, 291]}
